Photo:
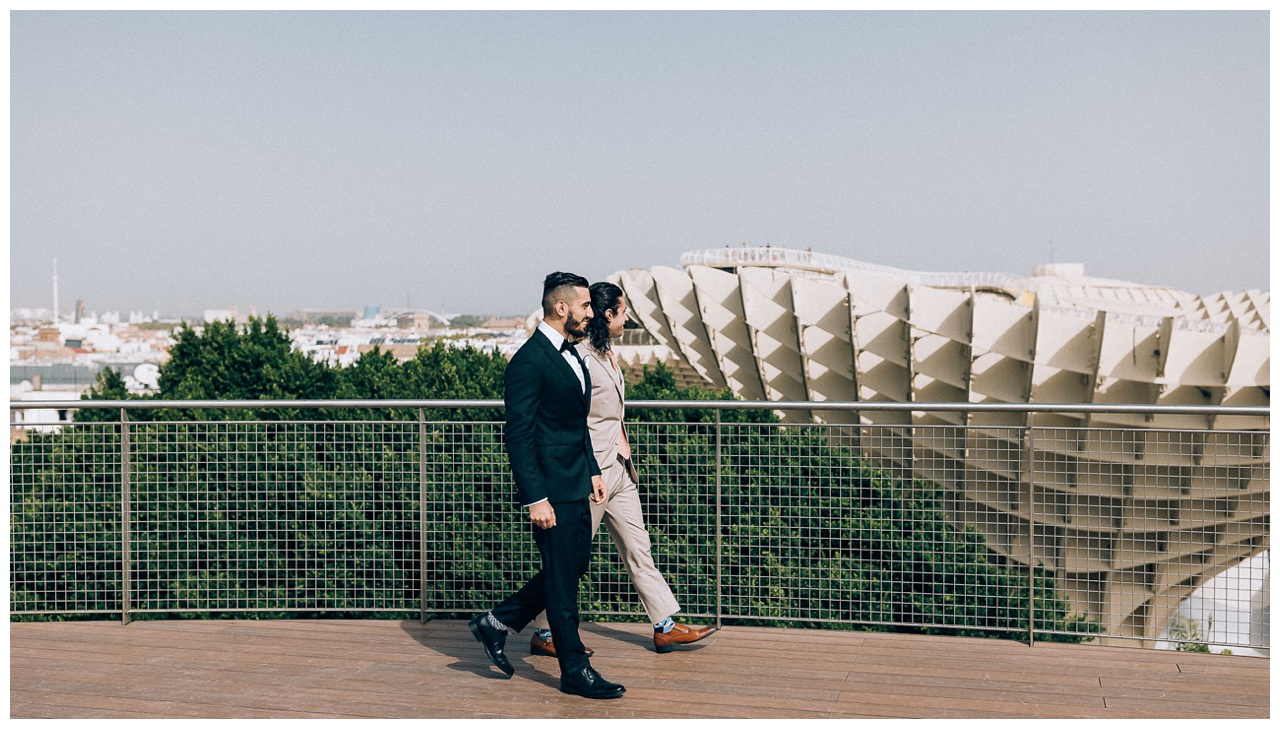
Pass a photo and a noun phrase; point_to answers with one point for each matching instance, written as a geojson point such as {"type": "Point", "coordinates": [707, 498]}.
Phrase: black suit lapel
{"type": "Point", "coordinates": [562, 365]}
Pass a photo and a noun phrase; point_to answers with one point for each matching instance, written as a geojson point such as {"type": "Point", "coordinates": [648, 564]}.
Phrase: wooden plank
{"type": "Point", "coordinates": [996, 705]}
{"type": "Point", "coordinates": [1170, 696]}
{"type": "Point", "coordinates": [1253, 685]}
{"type": "Point", "coordinates": [149, 708]}
{"type": "Point", "coordinates": [1164, 708]}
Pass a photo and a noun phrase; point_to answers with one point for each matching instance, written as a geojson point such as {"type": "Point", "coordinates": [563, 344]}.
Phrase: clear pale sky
{"type": "Point", "coordinates": [282, 160]}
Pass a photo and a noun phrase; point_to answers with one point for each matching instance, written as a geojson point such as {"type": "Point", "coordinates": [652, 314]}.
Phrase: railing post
{"type": "Point", "coordinates": [126, 567]}
{"type": "Point", "coordinates": [422, 515]}
{"type": "Point", "coordinates": [1031, 527]}
{"type": "Point", "coordinates": [719, 537]}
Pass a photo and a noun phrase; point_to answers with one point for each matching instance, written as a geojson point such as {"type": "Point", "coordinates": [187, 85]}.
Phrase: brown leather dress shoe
{"type": "Point", "coordinates": [679, 635]}
{"type": "Point", "coordinates": [540, 647]}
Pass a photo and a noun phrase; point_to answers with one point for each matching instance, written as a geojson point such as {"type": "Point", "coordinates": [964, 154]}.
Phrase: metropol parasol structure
{"type": "Point", "coordinates": [1129, 511]}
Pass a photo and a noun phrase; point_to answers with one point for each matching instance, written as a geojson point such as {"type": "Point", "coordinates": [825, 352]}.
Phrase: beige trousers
{"type": "Point", "coordinates": [623, 517]}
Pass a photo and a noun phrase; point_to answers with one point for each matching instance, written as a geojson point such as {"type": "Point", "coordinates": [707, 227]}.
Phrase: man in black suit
{"type": "Point", "coordinates": [548, 395]}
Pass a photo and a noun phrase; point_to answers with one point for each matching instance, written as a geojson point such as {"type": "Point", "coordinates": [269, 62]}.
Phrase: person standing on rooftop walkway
{"type": "Point", "coordinates": [548, 396]}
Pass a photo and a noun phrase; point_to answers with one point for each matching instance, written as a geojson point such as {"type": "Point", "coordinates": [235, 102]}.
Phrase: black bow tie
{"type": "Point", "coordinates": [567, 346]}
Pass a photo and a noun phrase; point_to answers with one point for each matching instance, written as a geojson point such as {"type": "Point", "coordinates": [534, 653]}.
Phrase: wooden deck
{"type": "Point", "coordinates": [390, 669]}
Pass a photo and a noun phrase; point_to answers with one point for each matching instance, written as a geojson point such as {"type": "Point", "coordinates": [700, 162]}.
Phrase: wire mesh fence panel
{"type": "Point", "coordinates": [1136, 524]}
{"type": "Point", "coordinates": [802, 529]}
{"type": "Point", "coordinates": [968, 479]}
{"type": "Point", "coordinates": [854, 525]}
{"type": "Point", "coordinates": [274, 516]}
{"type": "Point", "coordinates": [986, 529]}
{"type": "Point", "coordinates": [477, 541]}
{"type": "Point", "coordinates": [65, 538]}
{"type": "Point", "coordinates": [677, 489]}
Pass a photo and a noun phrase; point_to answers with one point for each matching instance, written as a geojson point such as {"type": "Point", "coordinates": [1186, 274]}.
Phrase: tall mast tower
{"type": "Point", "coordinates": [55, 291]}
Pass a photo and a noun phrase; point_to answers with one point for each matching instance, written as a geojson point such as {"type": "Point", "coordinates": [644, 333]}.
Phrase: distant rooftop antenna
{"type": "Point", "coordinates": [1050, 249]}
{"type": "Point", "coordinates": [55, 291]}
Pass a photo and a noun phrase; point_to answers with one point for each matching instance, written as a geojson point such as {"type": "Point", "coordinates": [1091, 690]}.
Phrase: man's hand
{"type": "Point", "coordinates": [597, 489]}
{"type": "Point", "coordinates": [542, 515]}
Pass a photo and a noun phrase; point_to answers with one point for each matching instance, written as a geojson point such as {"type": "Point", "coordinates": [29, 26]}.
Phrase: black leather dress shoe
{"type": "Point", "coordinates": [590, 684]}
{"type": "Point", "coordinates": [494, 642]}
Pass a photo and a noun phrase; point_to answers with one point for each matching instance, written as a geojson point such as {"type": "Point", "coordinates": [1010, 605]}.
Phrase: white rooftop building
{"type": "Point", "coordinates": [1129, 519]}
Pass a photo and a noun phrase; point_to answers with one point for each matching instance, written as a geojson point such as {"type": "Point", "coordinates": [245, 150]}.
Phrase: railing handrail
{"type": "Point", "coordinates": [826, 405]}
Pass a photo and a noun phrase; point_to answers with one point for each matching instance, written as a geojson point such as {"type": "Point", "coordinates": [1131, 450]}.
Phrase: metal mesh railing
{"type": "Point", "coordinates": [237, 516]}
{"type": "Point", "coordinates": [1139, 519]}
{"type": "Point", "coordinates": [1048, 531]}
{"type": "Point", "coordinates": [65, 530]}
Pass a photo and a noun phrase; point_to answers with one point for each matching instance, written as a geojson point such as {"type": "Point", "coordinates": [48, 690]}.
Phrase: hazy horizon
{"type": "Point", "coordinates": [334, 160]}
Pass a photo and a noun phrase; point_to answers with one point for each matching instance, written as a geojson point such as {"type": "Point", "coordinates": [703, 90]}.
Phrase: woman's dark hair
{"type": "Point", "coordinates": [604, 297]}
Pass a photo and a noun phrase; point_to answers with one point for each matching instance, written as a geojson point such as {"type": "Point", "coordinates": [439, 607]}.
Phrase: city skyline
{"type": "Point", "coordinates": [285, 161]}
{"type": "Point", "coordinates": [67, 312]}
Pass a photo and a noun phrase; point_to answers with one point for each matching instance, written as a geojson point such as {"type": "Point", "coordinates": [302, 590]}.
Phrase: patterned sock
{"type": "Point", "coordinates": [664, 626]}
{"type": "Point", "coordinates": [494, 622]}
{"type": "Point", "coordinates": [544, 634]}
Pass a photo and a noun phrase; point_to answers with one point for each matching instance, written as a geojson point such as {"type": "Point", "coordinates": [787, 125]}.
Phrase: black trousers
{"type": "Point", "coordinates": [566, 552]}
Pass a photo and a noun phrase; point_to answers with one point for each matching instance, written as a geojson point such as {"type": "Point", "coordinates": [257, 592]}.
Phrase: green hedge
{"type": "Point", "coordinates": [323, 518]}
{"type": "Point", "coordinates": [296, 515]}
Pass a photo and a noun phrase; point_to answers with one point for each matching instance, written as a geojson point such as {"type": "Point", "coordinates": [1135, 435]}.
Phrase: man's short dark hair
{"type": "Point", "coordinates": [555, 287]}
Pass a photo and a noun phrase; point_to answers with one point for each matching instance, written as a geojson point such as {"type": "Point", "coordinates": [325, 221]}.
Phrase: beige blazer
{"type": "Point", "coordinates": [608, 408]}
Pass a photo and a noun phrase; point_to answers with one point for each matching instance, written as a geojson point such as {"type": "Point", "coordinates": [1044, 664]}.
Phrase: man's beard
{"type": "Point", "coordinates": [576, 327]}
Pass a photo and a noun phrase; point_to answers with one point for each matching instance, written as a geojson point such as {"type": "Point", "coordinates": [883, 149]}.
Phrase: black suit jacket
{"type": "Point", "coordinates": [546, 434]}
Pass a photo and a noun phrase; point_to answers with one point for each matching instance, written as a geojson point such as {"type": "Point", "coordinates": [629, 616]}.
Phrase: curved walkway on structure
{"type": "Point", "coordinates": [392, 669]}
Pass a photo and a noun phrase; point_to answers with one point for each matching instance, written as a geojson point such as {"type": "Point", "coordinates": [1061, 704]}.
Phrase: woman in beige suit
{"type": "Point", "coordinates": [620, 511]}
